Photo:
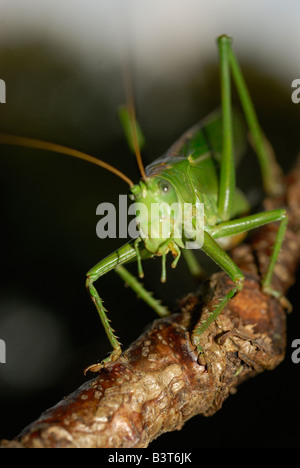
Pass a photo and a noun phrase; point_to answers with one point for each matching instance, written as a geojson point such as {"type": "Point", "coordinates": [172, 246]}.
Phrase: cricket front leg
{"type": "Point", "coordinates": [115, 261]}
{"type": "Point", "coordinates": [122, 255]}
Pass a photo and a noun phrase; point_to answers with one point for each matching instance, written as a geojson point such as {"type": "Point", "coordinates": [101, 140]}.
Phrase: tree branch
{"type": "Point", "coordinates": [160, 382]}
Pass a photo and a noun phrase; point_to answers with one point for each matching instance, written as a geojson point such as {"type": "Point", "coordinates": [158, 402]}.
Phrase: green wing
{"type": "Point", "coordinates": [206, 136]}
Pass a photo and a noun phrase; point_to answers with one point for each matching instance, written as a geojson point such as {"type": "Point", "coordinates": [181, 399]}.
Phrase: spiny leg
{"type": "Point", "coordinates": [227, 183]}
{"type": "Point", "coordinates": [219, 256]}
{"type": "Point", "coordinates": [266, 282]}
{"type": "Point", "coordinates": [126, 253]}
{"type": "Point", "coordinates": [129, 279]}
{"type": "Point", "coordinates": [141, 292]}
{"type": "Point", "coordinates": [211, 248]}
{"type": "Point", "coordinates": [116, 345]}
{"type": "Point", "coordinates": [139, 289]}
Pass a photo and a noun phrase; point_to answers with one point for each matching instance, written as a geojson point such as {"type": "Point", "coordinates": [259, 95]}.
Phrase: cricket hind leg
{"type": "Point", "coordinates": [247, 223]}
{"type": "Point", "coordinates": [221, 258]}
{"type": "Point", "coordinates": [270, 170]}
{"type": "Point", "coordinates": [270, 174]}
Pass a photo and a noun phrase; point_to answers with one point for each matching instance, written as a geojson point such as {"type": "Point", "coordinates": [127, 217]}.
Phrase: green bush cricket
{"type": "Point", "coordinates": [198, 168]}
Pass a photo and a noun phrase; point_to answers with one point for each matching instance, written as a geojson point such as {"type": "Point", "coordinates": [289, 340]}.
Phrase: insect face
{"type": "Point", "coordinates": [156, 204]}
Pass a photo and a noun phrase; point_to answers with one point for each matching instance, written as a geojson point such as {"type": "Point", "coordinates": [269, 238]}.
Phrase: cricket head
{"type": "Point", "coordinates": [156, 207]}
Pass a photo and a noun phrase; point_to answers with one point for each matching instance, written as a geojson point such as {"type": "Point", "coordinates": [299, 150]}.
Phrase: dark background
{"type": "Point", "coordinates": [48, 231]}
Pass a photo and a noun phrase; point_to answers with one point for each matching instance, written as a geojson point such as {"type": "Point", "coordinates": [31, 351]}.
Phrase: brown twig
{"type": "Point", "coordinates": [160, 381]}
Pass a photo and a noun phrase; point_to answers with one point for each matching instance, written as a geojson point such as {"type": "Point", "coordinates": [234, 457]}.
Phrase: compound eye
{"type": "Point", "coordinates": [164, 186]}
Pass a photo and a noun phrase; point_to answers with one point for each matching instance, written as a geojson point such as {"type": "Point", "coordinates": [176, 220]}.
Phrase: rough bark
{"type": "Point", "coordinates": [160, 381]}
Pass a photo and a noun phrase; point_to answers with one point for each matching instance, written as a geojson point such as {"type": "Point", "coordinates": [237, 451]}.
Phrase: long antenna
{"type": "Point", "coordinates": [15, 140]}
{"type": "Point", "coordinates": [132, 115]}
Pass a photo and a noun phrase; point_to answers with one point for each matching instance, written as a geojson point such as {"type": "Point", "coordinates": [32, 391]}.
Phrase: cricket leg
{"type": "Point", "coordinates": [194, 266]}
{"type": "Point", "coordinates": [270, 169]}
{"type": "Point", "coordinates": [227, 167]}
{"type": "Point", "coordinates": [114, 262]}
{"type": "Point", "coordinates": [141, 292]}
{"type": "Point", "coordinates": [221, 258]}
{"type": "Point", "coordinates": [126, 253]}
{"type": "Point", "coordinates": [247, 223]}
